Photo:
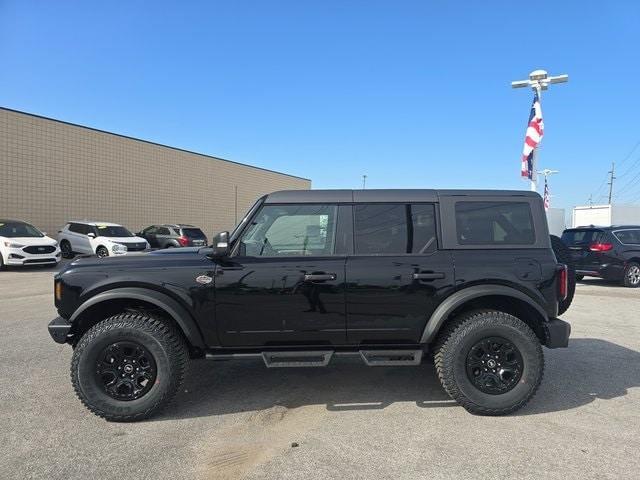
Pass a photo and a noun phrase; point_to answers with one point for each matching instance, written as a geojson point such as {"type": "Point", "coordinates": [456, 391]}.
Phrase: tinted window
{"type": "Point", "coordinates": [112, 231]}
{"type": "Point", "coordinates": [629, 237]}
{"type": "Point", "coordinates": [163, 231]}
{"type": "Point", "coordinates": [394, 229]}
{"type": "Point", "coordinates": [290, 230]}
{"type": "Point", "coordinates": [150, 230]}
{"type": "Point", "coordinates": [193, 233]}
{"type": "Point", "coordinates": [77, 228]}
{"type": "Point", "coordinates": [18, 229]}
{"type": "Point", "coordinates": [494, 223]}
{"type": "Point", "coordinates": [581, 237]}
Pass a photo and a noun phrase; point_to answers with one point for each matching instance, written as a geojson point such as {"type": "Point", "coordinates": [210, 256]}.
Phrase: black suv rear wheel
{"type": "Point", "coordinates": [129, 366]}
{"type": "Point", "coordinates": [490, 362]}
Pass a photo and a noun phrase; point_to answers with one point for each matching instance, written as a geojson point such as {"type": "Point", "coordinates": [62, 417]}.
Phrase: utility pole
{"type": "Point", "coordinates": [538, 81]}
{"type": "Point", "coordinates": [364, 182]}
{"type": "Point", "coordinates": [612, 178]}
{"type": "Point", "coordinates": [591, 200]}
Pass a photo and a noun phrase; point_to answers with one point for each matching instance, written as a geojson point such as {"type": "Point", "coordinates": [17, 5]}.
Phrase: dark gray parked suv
{"type": "Point", "coordinates": [611, 253]}
{"type": "Point", "coordinates": [174, 235]}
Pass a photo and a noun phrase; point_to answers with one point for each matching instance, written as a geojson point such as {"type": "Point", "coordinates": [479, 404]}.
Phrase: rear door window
{"type": "Point", "coordinates": [494, 223]}
{"type": "Point", "coordinates": [394, 229]}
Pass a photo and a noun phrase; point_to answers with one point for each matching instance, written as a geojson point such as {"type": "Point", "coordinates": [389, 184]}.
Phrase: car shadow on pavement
{"type": "Point", "coordinates": [589, 369]}
{"type": "Point", "coordinates": [216, 388]}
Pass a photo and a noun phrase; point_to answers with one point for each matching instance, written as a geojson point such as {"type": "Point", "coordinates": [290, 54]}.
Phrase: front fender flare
{"type": "Point", "coordinates": [161, 300]}
{"type": "Point", "coordinates": [448, 306]}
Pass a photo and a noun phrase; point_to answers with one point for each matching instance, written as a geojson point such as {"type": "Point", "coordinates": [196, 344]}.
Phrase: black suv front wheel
{"type": "Point", "coordinates": [129, 366]}
{"type": "Point", "coordinates": [490, 362]}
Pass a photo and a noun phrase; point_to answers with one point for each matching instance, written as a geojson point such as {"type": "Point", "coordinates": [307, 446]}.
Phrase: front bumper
{"type": "Point", "coordinates": [557, 332]}
{"type": "Point", "coordinates": [18, 257]}
{"type": "Point", "coordinates": [59, 329]}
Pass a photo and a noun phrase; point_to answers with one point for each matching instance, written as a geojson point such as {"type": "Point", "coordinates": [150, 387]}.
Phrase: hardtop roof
{"type": "Point", "coordinates": [387, 195]}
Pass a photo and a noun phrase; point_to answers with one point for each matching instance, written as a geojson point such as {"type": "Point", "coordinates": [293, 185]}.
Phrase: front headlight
{"type": "Point", "coordinates": [118, 248]}
{"type": "Point", "coordinates": [13, 245]}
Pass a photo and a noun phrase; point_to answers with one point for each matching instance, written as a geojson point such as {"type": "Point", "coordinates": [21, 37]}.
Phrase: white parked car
{"type": "Point", "coordinates": [98, 238]}
{"type": "Point", "coordinates": [23, 244]}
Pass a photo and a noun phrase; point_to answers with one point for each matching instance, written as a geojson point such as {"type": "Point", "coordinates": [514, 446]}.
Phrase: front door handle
{"type": "Point", "coordinates": [319, 277]}
{"type": "Point", "coordinates": [428, 276]}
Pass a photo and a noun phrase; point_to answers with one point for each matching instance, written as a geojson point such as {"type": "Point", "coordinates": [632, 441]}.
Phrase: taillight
{"type": "Point", "coordinates": [183, 241]}
{"type": "Point", "coordinates": [563, 282]}
{"type": "Point", "coordinates": [600, 247]}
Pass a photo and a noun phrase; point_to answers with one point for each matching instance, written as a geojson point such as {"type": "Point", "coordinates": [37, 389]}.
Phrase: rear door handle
{"type": "Point", "coordinates": [428, 276]}
{"type": "Point", "coordinates": [319, 277]}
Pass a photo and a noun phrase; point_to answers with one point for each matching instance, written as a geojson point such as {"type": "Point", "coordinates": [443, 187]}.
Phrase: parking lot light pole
{"type": "Point", "coordinates": [538, 81]}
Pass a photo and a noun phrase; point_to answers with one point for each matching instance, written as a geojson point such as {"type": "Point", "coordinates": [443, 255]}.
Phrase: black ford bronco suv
{"type": "Point", "coordinates": [468, 278]}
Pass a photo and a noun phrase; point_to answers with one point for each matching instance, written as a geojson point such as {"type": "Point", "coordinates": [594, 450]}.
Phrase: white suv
{"type": "Point", "coordinates": [99, 238]}
{"type": "Point", "coordinates": [23, 244]}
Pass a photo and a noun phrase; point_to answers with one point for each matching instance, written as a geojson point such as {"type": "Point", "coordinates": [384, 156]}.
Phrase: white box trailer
{"type": "Point", "coordinates": [606, 215]}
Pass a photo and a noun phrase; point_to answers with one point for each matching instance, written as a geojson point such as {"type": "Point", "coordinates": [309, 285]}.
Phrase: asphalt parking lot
{"type": "Point", "coordinates": [239, 420]}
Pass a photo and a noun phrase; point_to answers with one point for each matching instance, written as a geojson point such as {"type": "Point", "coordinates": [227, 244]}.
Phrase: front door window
{"type": "Point", "coordinates": [290, 231]}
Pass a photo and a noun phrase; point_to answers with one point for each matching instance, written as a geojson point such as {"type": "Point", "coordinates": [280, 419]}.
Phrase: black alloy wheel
{"type": "Point", "coordinates": [102, 252]}
{"type": "Point", "coordinates": [494, 365]}
{"type": "Point", "coordinates": [126, 370]}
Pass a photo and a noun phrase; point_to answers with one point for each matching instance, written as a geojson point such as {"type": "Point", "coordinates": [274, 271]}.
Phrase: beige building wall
{"type": "Point", "coordinates": [53, 172]}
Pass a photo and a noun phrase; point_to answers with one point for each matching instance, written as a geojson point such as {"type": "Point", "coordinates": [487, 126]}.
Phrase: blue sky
{"type": "Point", "coordinates": [414, 94]}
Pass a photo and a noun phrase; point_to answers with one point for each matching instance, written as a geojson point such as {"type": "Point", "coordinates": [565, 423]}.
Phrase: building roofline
{"type": "Point", "coordinates": [150, 142]}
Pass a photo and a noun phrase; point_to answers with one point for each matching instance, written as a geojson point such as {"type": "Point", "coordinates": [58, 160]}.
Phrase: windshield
{"type": "Point", "coordinates": [242, 223]}
{"type": "Point", "coordinates": [112, 231]}
{"type": "Point", "coordinates": [19, 229]}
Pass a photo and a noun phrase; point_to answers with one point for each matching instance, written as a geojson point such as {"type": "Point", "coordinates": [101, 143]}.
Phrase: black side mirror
{"type": "Point", "coordinates": [221, 244]}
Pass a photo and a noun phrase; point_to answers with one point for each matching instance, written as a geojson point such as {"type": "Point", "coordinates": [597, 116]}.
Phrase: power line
{"type": "Point", "coordinates": [629, 154]}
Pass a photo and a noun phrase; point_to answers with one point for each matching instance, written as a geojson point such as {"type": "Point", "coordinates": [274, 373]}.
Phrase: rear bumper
{"type": "Point", "coordinates": [59, 329]}
{"type": "Point", "coordinates": [557, 332]}
{"type": "Point", "coordinates": [607, 271]}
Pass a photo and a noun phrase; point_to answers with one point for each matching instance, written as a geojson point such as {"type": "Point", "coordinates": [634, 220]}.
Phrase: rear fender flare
{"type": "Point", "coordinates": [176, 311]}
{"type": "Point", "coordinates": [449, 305]}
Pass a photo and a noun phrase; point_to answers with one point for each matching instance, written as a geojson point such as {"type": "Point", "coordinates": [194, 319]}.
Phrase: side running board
{"type": "Point", "coordinates": [389, 358]}
{"type": "Point", "coordinates": [321, 358]}
{"type": "Point", "coordinates": [297, 359]}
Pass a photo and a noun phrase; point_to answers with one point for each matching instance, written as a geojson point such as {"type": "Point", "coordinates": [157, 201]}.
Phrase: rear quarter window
{"type": "Point", "coordinates": [628, 237]}
{"type": "Point", "coordinates": [494, 223]}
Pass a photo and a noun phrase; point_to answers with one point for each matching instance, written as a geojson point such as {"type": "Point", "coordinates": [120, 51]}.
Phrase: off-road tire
{"type": "Point", "coordinates": [65, 247]}
{"type": "Point", "coordinates": [165, 343]}
{"type": "Point", "coordinates": [454, 344]}
{"type": "Point", "coordinates": [626, 280]}
{"type": "Point", "coordinates": [563, 255]}
{"type": "Point", "coordinates": [102, 252]}
{"type": "Point", "coordinates": [2, 267]}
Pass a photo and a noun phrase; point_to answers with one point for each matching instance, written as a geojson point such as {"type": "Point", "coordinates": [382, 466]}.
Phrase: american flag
{"type": "Point", "coordinates": [547, 200]}
{"type": "Point", "coordinates": [535, 131]}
